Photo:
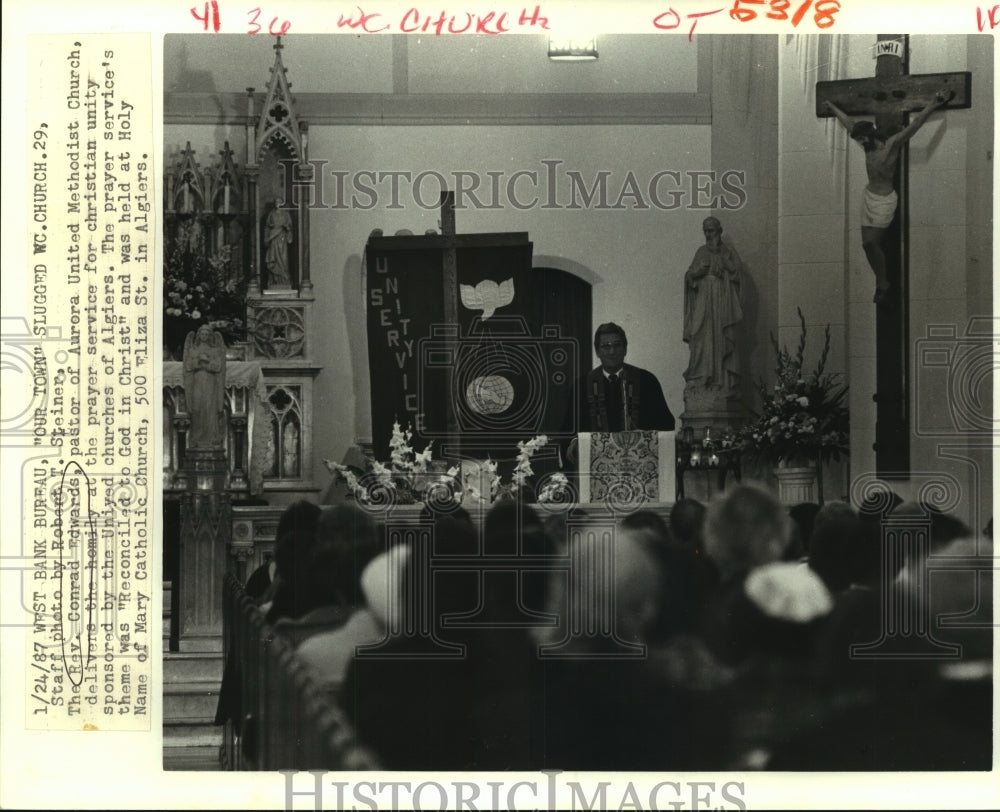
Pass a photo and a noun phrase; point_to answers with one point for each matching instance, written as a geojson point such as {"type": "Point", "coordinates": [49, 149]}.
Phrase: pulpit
{"type": "Point", "coordinates": [627, 469]}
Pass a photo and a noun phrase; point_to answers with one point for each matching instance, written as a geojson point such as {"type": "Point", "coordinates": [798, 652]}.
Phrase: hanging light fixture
{"type": "Point", "coordinates": [573, 49]}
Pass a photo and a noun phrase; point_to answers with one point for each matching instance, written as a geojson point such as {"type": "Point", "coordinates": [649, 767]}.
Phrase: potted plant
{"type": "Point", "coordinates": [803, 421]}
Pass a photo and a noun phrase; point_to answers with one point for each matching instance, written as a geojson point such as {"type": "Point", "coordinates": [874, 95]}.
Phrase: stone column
{"type": "Point", "coordinates": [205, 529]}
{"type": "Point", "coordinates": [306, 175]}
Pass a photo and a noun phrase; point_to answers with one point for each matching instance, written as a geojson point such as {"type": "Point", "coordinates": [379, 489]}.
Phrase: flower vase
{"type": "Point", "coordinates": [796, 482]}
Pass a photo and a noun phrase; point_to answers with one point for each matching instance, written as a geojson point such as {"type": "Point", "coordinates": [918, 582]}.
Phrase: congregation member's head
{"type": "Point", "coordinates": [513, 528]}
{"type": "Point", "coordinates": [785, 605]}
{"type": "Point", "coordinates": [624, 595]}
{"type": "Point", "coordinates": [922, 519]}
{"type": "Point", "coordinates": [294, 542]}
{"type": "Point", "coordinates": [832, 545]}
{"type": "Point", "coordinates": [744, 528]}
{"type": "Point", "coordinates": [873, 512]}
{"type": "Point", "coordinates": [687, 523]}
{"type": "Point", "coordinates": [959, 600]}
{"type": "Point", "coordinates": [684, 574]}
{"type": "Point", "coordinates": [803, 516]}
{"type": "Point", "coordinates": [429, 596]}
{"type": "Point", "coordinates": [346, 541]}
{"type": "Point", "coordinates": [300, 519]}
{"type": "Point", "coordinates": [637, 584]}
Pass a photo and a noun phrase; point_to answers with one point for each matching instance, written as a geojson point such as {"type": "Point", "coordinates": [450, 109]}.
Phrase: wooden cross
{"type": "Point", "coordinates": [450, 269]}
{"type": "Point", "coordinates": [890, 96]}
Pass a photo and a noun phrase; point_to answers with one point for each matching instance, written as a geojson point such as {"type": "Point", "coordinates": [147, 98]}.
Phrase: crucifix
{"type": "Point", "coordinates": [890, 96]}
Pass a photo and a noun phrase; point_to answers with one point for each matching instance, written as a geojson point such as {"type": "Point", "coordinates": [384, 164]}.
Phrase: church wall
{"type": "Point", "coordinates": [951, 173]}
{"type": "Point", "coordinates": [745, 138]}
{"type": "Point", "coordinates": [813, 212]}
{"type": "Point", "coordinates": [514, 63]}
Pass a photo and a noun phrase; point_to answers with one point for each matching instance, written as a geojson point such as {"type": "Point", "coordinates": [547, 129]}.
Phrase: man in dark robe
{"type": "Point", "coordinates": [617, 396]}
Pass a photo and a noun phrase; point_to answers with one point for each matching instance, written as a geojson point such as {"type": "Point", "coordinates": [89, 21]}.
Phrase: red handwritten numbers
{"type": "Point", "coordinates": [210, 13]}
{"type": "Point", "coordinates": [992, 18]}
{"type": "Point", "coordinates": [823, 11]}
{"type": "Point", "coordinates": [211, 19]}
{"type": "Point", "coordinates": [274, 27]}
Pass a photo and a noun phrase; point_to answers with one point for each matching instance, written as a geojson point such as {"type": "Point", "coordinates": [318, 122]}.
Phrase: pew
{"type": "Point", "coordinates": [286, 720]}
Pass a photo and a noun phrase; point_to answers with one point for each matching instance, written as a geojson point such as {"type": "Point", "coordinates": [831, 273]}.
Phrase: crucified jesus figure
{"type": "Point", "coordinates": [881, 158]}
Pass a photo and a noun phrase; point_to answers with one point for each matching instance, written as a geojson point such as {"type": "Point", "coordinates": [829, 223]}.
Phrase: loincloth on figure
{"type": "Point", "coordinates": [878, 210]}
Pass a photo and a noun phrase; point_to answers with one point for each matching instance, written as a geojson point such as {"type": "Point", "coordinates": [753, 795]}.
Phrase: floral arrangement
{"type": "Point", "coordinates": [203, 290]}
{"type": "Point", "coordinates": [803, 417]}
{"type": "Point", "coordinates": [413, 476]}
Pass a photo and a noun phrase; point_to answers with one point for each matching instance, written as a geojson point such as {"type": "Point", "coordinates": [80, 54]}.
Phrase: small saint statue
{"type": "Point", "coordinates": [712, 310]}
{"type": "Point", "coordinates": [205, 387]}
{"type": "Point", "coordinates": [277, 237]}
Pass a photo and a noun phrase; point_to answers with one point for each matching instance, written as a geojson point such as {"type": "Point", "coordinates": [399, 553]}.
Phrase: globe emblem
{"type": "Point", "coordinates": [489, 394]}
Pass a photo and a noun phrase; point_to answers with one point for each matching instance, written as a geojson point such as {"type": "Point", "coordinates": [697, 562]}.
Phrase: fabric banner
{"type": "Point", "coordinates": [511, 367]}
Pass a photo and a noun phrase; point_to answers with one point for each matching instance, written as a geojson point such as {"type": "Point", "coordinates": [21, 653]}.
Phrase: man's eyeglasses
{"type": "Point", "coordinates": [611, 345]}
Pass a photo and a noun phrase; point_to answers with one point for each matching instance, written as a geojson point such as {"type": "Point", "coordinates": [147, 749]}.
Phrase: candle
{"type": "Point", "coordinates": [187, 197]}
{"type": "Point", "coordinates": [225, 200]}
{"type": "Point", "coordinates": [695, 458]}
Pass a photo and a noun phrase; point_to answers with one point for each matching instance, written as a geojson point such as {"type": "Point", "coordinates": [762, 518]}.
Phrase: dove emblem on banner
{"type": "Point", "coordinates": [488, 296]}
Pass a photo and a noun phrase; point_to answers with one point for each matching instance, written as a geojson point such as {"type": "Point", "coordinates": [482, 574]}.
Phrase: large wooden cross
{"type": "Point", "coordinates": [450, 272]}
{"type": "Point", "coordinates": [890, 96]}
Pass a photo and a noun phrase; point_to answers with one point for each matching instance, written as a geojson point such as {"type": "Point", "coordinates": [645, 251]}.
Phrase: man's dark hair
{"type": "Point", "coordinates": [609, 328]}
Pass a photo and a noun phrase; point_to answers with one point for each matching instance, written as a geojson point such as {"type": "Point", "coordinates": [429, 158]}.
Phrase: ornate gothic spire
{"type": "Point", "coordinates": [277, 122]}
